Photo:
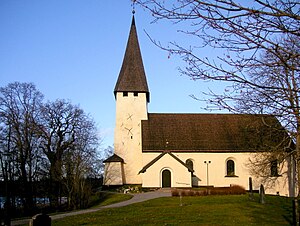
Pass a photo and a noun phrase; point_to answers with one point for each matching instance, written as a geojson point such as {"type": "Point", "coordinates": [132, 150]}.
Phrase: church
{"type": "Point", "coordinates": [158, 150]}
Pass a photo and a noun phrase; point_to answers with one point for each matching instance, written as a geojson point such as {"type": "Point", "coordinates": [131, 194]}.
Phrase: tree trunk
{"type": "Point", "coordinates": [27, 190]}
{"type": "Point", "coordinates": [297, 186]}
{"type": "Point", "coordinates": [55, 176]}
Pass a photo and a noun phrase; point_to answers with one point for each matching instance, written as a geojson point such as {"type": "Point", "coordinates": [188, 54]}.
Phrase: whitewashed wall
{"type": "Point", "coordinates": [130, 111]}
{"type": "Point", "coordinates": [113, 174]}
{"type": "Point", "coordinates": [216, 172]}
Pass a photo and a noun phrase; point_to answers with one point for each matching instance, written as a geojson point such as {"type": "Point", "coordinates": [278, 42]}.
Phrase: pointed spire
{"type": "Point", "coordinates": [132, 76]}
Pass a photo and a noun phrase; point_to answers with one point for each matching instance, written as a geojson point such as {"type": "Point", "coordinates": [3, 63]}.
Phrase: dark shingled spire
{"type": "Point", "coordinates": [132, 76]}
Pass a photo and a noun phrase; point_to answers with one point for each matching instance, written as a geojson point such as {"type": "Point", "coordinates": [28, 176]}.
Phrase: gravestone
{"type": "Point", "coordinates": [262, 194]}
{"type": "Point", "coordinates": [40, 220]}
{"type": "Point", "coordinates": [296, 220]}
{"type": "Point", "coordinates": [180, 198]}
{"type": "Point", "coordinates": [250, 188]}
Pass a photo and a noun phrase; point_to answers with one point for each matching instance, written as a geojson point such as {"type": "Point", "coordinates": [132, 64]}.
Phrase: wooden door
{"type": "Point", "coordinates": [166, 178]}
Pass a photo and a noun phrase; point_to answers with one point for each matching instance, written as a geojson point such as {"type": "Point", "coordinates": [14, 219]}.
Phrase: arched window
{"type": "Point", "coordinates": [230, 168]}
{"type": "Point", "coordinates": [274, 168]}
{"type": "Point", "coordinates": [190, 164]}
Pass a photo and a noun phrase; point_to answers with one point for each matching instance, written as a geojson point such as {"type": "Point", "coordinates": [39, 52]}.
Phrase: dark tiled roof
{"type": "Point", "coordinates": [114, 158]}
{"type": "Point", "coordinates": [212, 132]}
{"type": "Point", "coordinates": [132, 76]}
{"type": "Point", "coordinates": [148, 165]}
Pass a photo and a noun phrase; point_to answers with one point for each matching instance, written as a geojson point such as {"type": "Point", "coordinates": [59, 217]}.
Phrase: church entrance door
{"type": "Point", "coordinates": [166, 178]}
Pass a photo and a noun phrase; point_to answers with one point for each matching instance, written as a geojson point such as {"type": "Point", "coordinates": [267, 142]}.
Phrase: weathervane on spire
{"type": "Point", "coordinates": [133, 6]}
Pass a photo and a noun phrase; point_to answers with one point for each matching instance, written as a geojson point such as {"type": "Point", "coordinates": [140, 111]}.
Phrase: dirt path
{"type": "Point", "coordinates": [140, 197]}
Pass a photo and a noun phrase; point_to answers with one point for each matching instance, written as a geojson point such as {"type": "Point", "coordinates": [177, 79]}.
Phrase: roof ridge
{"type": "Point", "coordinates": [153, 161]}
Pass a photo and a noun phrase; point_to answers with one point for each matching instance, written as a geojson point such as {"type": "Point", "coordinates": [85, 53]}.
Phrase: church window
{"type": "Point", "coordinates": [274, 168]}
{"type": "Point", "coordinates": [230, 168]}
{"type": "Point", "coordinates": [189, 163]}
{"type": "Point", "coordinates": [135, 94]}
{"type": "Point", "coordinates": [125, 94]}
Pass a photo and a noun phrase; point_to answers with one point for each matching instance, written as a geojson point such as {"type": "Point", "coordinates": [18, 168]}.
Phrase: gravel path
{"type": "Point", "coordinates": [139, 197]}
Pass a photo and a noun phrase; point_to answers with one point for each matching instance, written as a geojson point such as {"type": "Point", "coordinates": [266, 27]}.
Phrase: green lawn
{"type": "Point", "coordinates": [207, 210]}
{"type": "Point", "coordinates": [107, 198]}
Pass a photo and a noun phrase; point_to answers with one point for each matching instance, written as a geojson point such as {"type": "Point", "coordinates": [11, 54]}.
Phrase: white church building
{"type": "Point", "coordinates": [158, 150]}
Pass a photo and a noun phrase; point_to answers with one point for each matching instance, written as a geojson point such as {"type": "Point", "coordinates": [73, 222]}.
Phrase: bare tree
{"type": "Point", "coordinates": [56, 140]}
{"type": "Point", "coordinates": [67, 133]}
{"type": "Point", "coordinates": [80, 163]}
{"type": "Point", "coordinates": [241, 29]}
{"type": "Point", "coordinates": [257, 53]}
{"type": "Point", "coordinates": [256, 46]}
{"type": "Point", "coordinates": [19, 114]}
{"type": "Point", "coordinates": [276, 92]}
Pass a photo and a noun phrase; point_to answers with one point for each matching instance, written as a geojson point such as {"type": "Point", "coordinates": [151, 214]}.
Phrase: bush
{"type": "Point", "coordinates": [183, 193]}
{"type": "Point", "coordinates": [238, 190]}
{"type": "Point", "coordinates": [191, 193]}
{"type": "Point", "coordinates": [232, 190]}
{"type": "Point", "coordinates": [175, 193]}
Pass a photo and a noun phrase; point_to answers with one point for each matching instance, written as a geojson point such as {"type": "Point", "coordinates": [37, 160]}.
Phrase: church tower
{"type": "Point", "coordinates": [132, 96]}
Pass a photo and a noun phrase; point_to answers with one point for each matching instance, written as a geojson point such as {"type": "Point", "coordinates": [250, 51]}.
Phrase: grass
{"type": "Point", "coordinates": [99, 199]}
{"type": "Point", "coordinates": [207, 210]}
{"type": "Point", "coordinates": [107, 198]}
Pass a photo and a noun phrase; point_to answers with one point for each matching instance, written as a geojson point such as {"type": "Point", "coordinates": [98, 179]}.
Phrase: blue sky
{"type": "Point", "coordinates": [73, 49]}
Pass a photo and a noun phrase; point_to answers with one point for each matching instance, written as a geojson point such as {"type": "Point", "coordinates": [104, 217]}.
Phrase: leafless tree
{"type": "Point", "coordinates": [256, 46]}
{"type": "Point", "coordinates": [281, 73]}
{"type": "Point", "coordinates": [67, 133]}
{"type": "Point", "coordinates": [19, 115]}
{"type": "Point", "coordinates": [55, 140]}
{"type": "Point", "coordinates": [81, 162]}
{"type": "Point", "coordinates": [257, 55]}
